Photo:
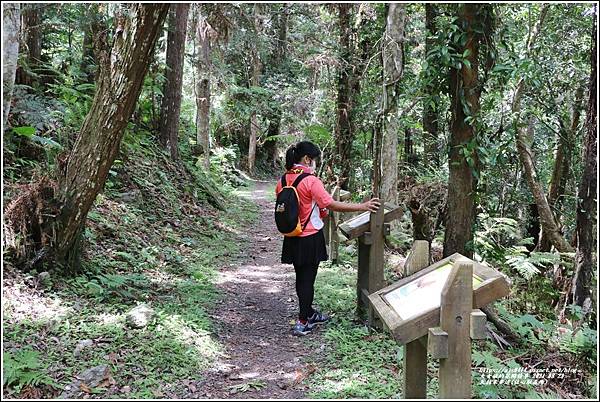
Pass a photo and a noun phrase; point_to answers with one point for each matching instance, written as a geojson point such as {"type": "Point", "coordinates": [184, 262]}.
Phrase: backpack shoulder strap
{"type": "Point", "coordinates": [283, 181]}
{"type": "Point", "coordinates": [299, 179]}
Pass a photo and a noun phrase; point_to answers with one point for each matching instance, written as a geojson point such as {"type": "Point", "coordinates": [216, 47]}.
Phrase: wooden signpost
{"type": "Point", "coordinates": [432, 310]}
{"type": "Point", "coordinates": [370, 228]}
{"type": "Point", "coordinates": [332, 237]}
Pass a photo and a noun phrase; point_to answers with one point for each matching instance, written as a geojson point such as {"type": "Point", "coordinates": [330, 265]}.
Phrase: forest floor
{"type": "Point", "coordinates": [223, 308]}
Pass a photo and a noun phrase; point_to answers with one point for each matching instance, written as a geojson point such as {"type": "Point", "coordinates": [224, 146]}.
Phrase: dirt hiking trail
{"type": "Point", "coordinates": [262, 357]}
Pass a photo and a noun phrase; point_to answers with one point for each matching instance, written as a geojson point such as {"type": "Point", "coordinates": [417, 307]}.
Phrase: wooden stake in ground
{"type": "Point", "coordinates": [415, 352]}
{"type": "Point", "coordinates": [455, 320]}
{"type": "Point", "coordinates": [370, 260]}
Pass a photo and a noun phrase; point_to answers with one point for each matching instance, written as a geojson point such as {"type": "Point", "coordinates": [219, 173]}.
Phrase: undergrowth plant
{"type": "Point", "coordinates": [24, 368]}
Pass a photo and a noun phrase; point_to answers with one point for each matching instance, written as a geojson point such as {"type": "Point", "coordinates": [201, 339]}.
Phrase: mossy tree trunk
{"type": "Point", "coordinates": [203, 37]}
{"type": "Point", "coordinates": [254, 82]}
{"type": "Point", "coordinates": [44, 224]}
{"type": "Point", "coordinates": [586, 196]}
{"type": "Point", "coordinates": [462, 165]}
{"type": "Point", "coordinates": [524, 135]}
{"type": "Point", "coordinates": [31, 37]}
{"type": "Point", "coordinates": [565, 144]}
{"type": "Point", "coordinates": [279, 57]}
{"type": "Point", "coordinates": [393, 66]}
{"type": "Point", "coordinates": [11, 23]}
{"type": "Point", "coordinates": [431, 102]}
{"type": "Point", "coordinates": [344, 133]}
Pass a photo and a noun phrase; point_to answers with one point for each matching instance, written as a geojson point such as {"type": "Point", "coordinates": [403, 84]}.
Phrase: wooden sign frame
{"type": "Point", "coordinates": [494, 285]}
{"type": "Point", "coordinates": [357, 226]}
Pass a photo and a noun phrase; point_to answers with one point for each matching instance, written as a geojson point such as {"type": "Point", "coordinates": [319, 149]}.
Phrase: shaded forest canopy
{"type": "Point", "coordinates": [479, 119]}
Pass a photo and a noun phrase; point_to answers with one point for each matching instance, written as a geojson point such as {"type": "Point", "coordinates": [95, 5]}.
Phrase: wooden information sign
{"type": "Point", "coordinates": [434, 311]}
{"type": "Point", "coordinates": [411, 306]}
{"type": "Point", "coordinates": [360, 224]}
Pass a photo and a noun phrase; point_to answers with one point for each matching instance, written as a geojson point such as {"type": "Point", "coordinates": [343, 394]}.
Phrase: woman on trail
{"type": "Point", "coordinates": [307, 249]}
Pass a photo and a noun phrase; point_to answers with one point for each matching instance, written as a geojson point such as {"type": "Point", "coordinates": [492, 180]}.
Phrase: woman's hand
{"type": "Point", "coordinates": [372, 205]}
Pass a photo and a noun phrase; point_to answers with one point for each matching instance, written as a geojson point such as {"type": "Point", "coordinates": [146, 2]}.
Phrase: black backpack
{"type": "Point", "coordinates": [287, 208]}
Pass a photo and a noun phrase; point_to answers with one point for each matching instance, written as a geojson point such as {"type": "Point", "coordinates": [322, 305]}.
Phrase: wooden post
{"type": "Point", "coordinates": [370, 262]}
{"type": "Point", "coordinates": [437, 343]}
{"type": "Point", "coordinates": [327, 224]}
{"type": "Point", "coordinates": [415, 352]}
{"type": "Point", "coordinates": [478, 327]}
{"type": "Point", "coordinates": [334, 238]}
{"type": "Point", "coordinates": [455, 320]}
{"type": "Point", "coordinates": [376, 257]}
{"type": "Point", "coordinates": [418, 258]}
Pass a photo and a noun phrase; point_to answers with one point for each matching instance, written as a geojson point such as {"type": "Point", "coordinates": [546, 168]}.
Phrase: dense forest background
{"type": "Point", "coordinates": [130, 131]}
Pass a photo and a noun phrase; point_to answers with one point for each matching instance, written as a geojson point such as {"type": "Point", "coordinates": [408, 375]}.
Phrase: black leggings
{"type": "Point", "coordinates": [305, 288]}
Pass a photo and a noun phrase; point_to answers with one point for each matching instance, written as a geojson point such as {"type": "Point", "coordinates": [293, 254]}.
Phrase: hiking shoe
{"type": "Point", "coordinates": [318, 318]}
{"type": "Point", "coordinates": [302, 329]}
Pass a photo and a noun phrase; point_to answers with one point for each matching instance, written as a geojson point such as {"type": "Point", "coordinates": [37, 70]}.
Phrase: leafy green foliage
{"type": "Point", "coordinates": [26, 131]}
{"type": "Point", "coordinates": [24, 369]}
{"type": "Point", "coordinates": [493, 244]}
{"type": "Point", "coordinates": [581, 342]}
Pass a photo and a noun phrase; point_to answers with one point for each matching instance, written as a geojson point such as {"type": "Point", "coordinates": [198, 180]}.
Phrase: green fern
{"type": "Point", "coordinates": [581, 343]}
{"type": "Point", "coordinates": [491, 245]}
{"type": "Point", "coordinates": [518, 260]}
{"type": "Point", "coordinates": [22, 369]}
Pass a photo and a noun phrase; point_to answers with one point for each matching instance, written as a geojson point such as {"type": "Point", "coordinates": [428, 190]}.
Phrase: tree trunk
{"type": "Point", "coordinates": [279, 57]}
{"type": "Point", "coordinates": [203, 88]}
{"type": "Point", "coordinates": [463, 166]}
{"type": "Point", "coordinates": [31, 29]}
{"type": "Point", "coordinates": [565, 144]}
{"type": "Point", "coordinates": [120, 79]}
{"type": "Point", "coordinates": [523, 141]}
{"type": "Point", "coordinates": [586, 195]}
{"type": "Point", "coordinates": [255, 81]}
{"type": "Point", "coordinates": [431, 103]}
{"type": "Point", "coordinates": [11, 23]}
{"type": "Point", "coordinates": [343, 128]}
{"type": "Point", "coordinates": [393, 66]}
{"type": "Point", "coordinates": [409, 154]}
{"type": "Point", "coordinates": [563, 152]}
{"type": "Point", "coordinates": [547, 220]}
{"type": "Point", "coordinates": [92, 27]}
{"type": "Point", "coordinates": [171, 101]}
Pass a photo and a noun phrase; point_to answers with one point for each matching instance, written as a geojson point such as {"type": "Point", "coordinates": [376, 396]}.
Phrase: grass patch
{"type": "Point", "coordinates": [356, 363]}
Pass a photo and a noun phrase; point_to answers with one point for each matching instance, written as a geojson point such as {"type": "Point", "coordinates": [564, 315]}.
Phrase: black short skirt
{"type": "Point", "coordinates": [306, 250]}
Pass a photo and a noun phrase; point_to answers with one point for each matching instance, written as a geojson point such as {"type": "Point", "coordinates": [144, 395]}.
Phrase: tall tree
{"type": "Point", "coordinates": [31, 29]}
{"type": "Point", "coordinates": [92, 27]}
{"type": "Point", "coordinates": [393, 66]}
{"type": "Point", "coordinates": [463, 166]}
{"type": "Point", "coordinates": [11, 23]}
{"type": "Point", "coordinates": [203, 51]}
{"type": "Point", "coordinates": [171, 101]}
{"type": "Point", "coordinates": [278, 62]}
{"type": "Point", "coordinates": [82, 175]}
{"type": "Point", "coordinates": [431, 101]}
{"type": "Point", "coordinates": [344, 133]}
{"type": "Point", "coordinates": [524, 133]}
{"type": "Point", "coordinates": [256, 69]}
{"type": "Point", "coordinates": [587, 191]}
{"type": "Point", "coordinates": [565, 144]}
